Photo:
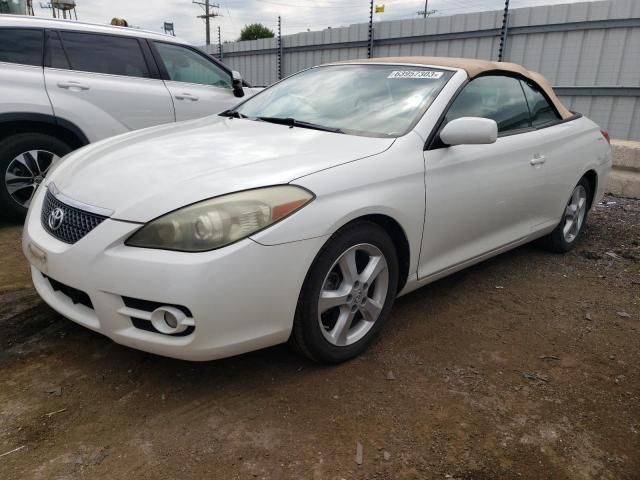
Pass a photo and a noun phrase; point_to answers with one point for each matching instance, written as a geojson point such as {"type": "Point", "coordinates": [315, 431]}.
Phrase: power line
{"type": "Point", "coordinates": [403, 10]}
{"type": "Point", "coordinates": [291, 5]}
{"type": "Point", "coordinates": [324, 4]}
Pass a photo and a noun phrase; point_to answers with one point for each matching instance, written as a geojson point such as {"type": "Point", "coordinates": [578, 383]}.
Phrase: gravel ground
{"type": "Point", "coordinates": [525, 366]}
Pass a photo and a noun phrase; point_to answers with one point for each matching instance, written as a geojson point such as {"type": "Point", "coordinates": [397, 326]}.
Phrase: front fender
{"type": "Point", "coordinates": [390, 183]}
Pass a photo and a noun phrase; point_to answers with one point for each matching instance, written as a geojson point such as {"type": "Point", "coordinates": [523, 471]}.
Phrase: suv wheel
{"type": "Point", "coordinates": [25, 159]}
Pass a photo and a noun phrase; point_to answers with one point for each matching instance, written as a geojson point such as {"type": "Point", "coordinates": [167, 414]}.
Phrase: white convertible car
{"type": "Point", "coordinates": [302, 213]}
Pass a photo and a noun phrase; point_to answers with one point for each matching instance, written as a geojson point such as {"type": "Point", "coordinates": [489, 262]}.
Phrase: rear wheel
{"type": "Point", "coordinates": [565, 235]}
{"type": "Point", "coordinates": [347, 295]}
{"type": "Point", "coordinates": [25, 159]}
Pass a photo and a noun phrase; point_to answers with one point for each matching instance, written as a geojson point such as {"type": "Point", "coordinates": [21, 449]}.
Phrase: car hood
{"type": "Point", "coordinates": [144, 174]}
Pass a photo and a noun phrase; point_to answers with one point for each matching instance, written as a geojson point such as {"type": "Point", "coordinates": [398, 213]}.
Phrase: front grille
{"type": "Point", "coordinates": [75, 223]}
{"type": "Point", "coordinates": [75, 295]}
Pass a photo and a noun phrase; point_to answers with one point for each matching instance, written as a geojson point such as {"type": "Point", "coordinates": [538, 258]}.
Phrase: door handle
{"type": "Point", "coordinates": [74, 86]}
{"type": "Point", "coordinates": [537, 160]}
{"type": "Point", "coordinates": [186, 96]}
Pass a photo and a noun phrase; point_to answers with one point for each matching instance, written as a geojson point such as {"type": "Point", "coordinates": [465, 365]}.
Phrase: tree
{"type": "Point", "coordinates": [255, 31]}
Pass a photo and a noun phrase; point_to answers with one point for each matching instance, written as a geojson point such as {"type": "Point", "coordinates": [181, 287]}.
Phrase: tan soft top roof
{"type": "Point", "coordinates": [475, 67]}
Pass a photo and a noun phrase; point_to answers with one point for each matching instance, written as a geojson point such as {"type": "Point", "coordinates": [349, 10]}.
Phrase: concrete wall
{"type": "Point", "coordinates": [589, 51]}
{"type": "Point", "coordinates": [624, 180]}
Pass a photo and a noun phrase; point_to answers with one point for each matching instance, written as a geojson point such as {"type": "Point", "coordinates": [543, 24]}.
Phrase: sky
{"type": "Point", "coordinates": [297, 15]}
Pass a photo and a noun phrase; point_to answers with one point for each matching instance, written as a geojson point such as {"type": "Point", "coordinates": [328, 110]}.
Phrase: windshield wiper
{"type": "Point", "coordinates": [292, 122]}
{"type": "Point", "coordinates": [232, 114]}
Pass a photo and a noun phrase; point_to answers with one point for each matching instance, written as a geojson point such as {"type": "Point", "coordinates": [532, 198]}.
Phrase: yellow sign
{"type": "Point", "coordinates": [379, 8]}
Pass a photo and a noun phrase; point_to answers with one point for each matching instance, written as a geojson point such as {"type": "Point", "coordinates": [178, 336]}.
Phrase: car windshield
{"type": "Point", "coordinates": [373, 100]}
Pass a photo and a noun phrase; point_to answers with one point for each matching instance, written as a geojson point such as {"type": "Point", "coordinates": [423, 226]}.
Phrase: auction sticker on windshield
{"type": "Point", "coordinates": [414, 74]}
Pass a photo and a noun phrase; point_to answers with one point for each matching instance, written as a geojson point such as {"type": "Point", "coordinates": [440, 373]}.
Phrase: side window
{"type": "Point", "coordinates": [542, 112]}
{"type": "Point", "coordinates": [110, 54]}
{"type": "Point", "coordinates": [55, 57]}
{"type": "Point", "coordinates": [185, 65]}
{"type": "Point", "coordinates": [21, 45]}
{"type": "Point", "coordinates": [495, 97]}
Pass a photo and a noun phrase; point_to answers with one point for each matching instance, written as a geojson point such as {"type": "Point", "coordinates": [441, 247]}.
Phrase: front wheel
{"type": "Point", "coordinates": [347, 295]}
{"type": "Point", "coordinates": [565, 235]}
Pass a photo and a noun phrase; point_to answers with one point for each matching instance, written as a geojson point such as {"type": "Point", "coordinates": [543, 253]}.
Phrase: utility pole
{"type": "Point", "coordinates": [208, 15]}
{"type": "Point", "coordinates": [426, 12]}
{"type": "Point", "coordinates": [220, 53]}
{"type": "Point", "coordinates": [503, 32]}
{"type": "Point", "coordinates": [370, 43]}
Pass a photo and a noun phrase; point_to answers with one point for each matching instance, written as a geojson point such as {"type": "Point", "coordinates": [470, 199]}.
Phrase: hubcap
{"type": "Point", "coordinates": [26, 172]}
{"type": "Point", "coordinates": [353, 294]}
{"type": "Point", "coordinates": [574, 214]}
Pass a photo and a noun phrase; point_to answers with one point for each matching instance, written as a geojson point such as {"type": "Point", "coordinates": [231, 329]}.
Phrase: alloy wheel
{"type": "Point", "coordinates": [574, 214]}
{"type": "Point", "coordinates": [353, 294]}
{"type": "Point", "coordinates": [26, 172]}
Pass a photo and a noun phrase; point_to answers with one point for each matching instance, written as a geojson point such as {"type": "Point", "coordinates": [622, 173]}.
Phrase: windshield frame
{"type": "Point", "coordinates": [448, 75]}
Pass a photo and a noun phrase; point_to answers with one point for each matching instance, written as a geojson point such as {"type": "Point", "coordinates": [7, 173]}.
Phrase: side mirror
{"type": "Point", "coordinates": [236, 82]}
{"type": "Point", "coordinates": [469, 131]}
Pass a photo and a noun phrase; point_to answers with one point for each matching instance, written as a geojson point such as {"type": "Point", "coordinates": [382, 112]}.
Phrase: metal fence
{"type": "Point", "coordinates": [589, 51]}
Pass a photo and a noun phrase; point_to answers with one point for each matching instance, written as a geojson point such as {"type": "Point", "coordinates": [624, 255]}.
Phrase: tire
{"type": "Point", "coordinates": [565, 236]}
{"type": "Point", "coordinates": [21, 171]}
{"type": "Point", "coordinates": [363, 300]}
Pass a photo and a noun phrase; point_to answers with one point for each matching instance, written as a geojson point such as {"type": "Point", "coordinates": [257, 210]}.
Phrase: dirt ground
{"type": "Point", "coordinates": [525, 366]}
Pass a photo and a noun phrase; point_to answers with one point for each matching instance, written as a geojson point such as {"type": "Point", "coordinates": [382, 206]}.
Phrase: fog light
{"type": "Point", "coordinates": [168, 320]}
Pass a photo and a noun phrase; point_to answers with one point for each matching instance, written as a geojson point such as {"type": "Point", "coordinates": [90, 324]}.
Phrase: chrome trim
{"type": "Point", "coordinates": [104, 212]}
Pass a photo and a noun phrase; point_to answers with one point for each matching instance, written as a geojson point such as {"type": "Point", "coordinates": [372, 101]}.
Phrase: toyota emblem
{"type": "Point", "coordinates": [56, 218]}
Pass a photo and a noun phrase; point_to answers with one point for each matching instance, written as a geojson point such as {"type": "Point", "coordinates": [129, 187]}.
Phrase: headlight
{"type": "Point", "coordinates": [220, 221]}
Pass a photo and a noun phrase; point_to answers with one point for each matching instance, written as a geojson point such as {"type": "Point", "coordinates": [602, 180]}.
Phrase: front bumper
{"type": "Point", "coordinates": [241, 297]}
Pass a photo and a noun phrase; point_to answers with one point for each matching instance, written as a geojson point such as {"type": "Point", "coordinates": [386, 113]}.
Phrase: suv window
{"type": "Point", "coordinates": [21, 45]}
{"type": "Point", "coordinates": [55, 56]}
{"type": "Point", "coordinates": [496, 97]}
{"type": "Point", "coordinates": [109, 54]}
{"type": "Point", "coordinates": [185, 65]}
{"type": "Point", "coordinates": [542, 112]}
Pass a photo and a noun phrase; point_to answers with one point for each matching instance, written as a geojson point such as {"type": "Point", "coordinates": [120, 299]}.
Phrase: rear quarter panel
{"type": "Point", "coordinates": [572, 149]}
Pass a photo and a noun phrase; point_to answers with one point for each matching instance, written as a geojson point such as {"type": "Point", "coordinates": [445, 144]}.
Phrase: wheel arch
{"type": "Point", "coordinates": [399, 237]}
{"type": "Point", "coordinates": [68, 132]}
{"type": "Point", "coordinates": [592, 178]}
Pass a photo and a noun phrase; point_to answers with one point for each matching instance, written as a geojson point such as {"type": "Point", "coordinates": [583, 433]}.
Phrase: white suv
{"type": "Point", "coordinates": [65, 84]}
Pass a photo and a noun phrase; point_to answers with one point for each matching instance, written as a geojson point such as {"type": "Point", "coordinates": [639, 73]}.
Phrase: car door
{"type": "Point", "coordinates": [480, 198]}
{"type": "Point", "coordinates": [198, 85]}
{"type": "Point", "coordinates": [22, 86]}
{"type": "Point", "coordinates": [104, 83]}
{"type": "Point", "coordinates": [563, 148]}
